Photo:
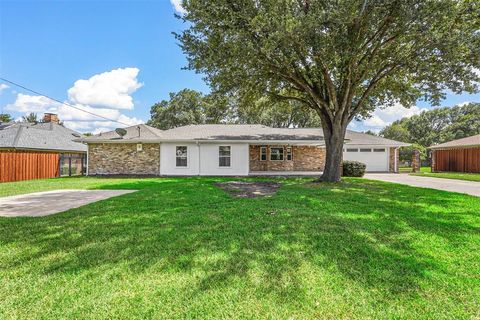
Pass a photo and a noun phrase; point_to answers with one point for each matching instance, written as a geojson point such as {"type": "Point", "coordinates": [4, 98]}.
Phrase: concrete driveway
{"type": "Point", "coordinates": [452, 185]}
{"type": "Point", "coordinates": [45, 203]}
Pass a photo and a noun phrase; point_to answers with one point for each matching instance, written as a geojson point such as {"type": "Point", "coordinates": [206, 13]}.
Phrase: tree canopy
{"type": "Point", "coordinates": [340, 58]}
{"type": "Point", "coordinates": [5, 117]}
{"type": "Point", "coordinates": [31, 117]}
{"type": "Point", "coordinates": [192, 107]}
{"type": "Point", "coordinates": [436, 126]}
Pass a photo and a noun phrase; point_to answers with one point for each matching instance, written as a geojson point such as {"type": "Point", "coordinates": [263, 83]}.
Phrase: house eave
{"type": "Point", "coordinates": [41, 150]}
{"type": "Point", "coordinates": [454, 147]}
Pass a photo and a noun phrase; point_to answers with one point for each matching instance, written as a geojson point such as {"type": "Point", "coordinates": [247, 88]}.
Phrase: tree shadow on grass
{"type": "Point", "coordinates": [363, 231]}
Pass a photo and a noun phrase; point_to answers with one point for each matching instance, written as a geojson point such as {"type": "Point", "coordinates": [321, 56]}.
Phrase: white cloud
{"type": "Point", "coordinates": [100, 130]}
{"type": "Point", "coordinates": [117, 85]}
{"type": "Point", "coordinates": [110, 89]}
{"type": "Point", "coordinates": [3, 86]}
{"type": "Point", "coordinates": [177, 5]}
{"type": "Point", "coordinates": [26, 104]}
{"type": "Point", "coordinates": [384, 117]}
{"type": "Point", "coordinates": [464, 103]}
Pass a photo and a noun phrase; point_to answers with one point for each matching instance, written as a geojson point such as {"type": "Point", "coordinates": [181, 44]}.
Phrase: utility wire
{"type": "Point", "coordinates": [61, 102]}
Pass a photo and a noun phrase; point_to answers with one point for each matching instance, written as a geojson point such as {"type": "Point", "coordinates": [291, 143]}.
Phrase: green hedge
{"type": "Point", "coordinates": [353, 169]}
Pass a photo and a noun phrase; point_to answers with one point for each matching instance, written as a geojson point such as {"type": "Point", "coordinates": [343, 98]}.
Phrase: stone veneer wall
{"type": "Point", "coordinates": [391, 162]}
{"type": "Point", "coordinates": [305, 158]}
{"type": "Point", "coordinates": [123, 158]}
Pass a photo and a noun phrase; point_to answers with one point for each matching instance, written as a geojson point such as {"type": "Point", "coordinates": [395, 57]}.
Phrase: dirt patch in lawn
{"type": "Point", "coordinates": [242, 189]}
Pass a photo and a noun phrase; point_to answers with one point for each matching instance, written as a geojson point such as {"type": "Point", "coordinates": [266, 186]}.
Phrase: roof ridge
{"type": "Point", "coordinates": [17, 136]}
{"type": "Point", "coordinates": [150, 129]}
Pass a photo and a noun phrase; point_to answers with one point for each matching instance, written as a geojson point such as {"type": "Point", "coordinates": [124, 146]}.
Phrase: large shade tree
{"type": "Point", "coordinates": [341, 58]}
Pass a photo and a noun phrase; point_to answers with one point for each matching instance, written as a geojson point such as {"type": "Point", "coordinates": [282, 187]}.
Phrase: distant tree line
{"type": "Point", "coordinates": [31, 117]}
{"type": "Point", "coordinates": [191, 107]}
{"type": "Point", "coordinates": [434, 126]}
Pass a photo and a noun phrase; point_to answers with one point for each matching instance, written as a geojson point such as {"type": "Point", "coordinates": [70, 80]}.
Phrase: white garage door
{"type": "Point", "coordinates": [376, 158]}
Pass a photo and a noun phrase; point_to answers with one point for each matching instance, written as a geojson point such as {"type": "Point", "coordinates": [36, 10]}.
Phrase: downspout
{"type": "Point", "coordinates": [87, 159]}
{"type": "Point", "coordinates": [199, 159]}
{"type": "Point", "coordinates": [159, 159]}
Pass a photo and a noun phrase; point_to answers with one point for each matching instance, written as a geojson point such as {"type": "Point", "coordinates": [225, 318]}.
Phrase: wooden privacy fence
{"type": "Point", "coordinates": [19, 165]}
{"type": "Point", "coordinates": [458, 160]}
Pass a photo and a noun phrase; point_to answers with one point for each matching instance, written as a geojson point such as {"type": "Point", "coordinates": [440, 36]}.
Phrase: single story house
{"type": "Point", "coordinates": [222, 150]}
{"type": "Point", "coordinates": [462, 155]}
{"type": "Point", "coordinates": [39, 150]}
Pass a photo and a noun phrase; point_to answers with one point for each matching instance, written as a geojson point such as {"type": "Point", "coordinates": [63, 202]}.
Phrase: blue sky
{"type": "Point", "coordinates": [116, 58]}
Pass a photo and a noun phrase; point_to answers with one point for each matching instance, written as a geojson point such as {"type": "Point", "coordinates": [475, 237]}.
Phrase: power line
{"type": "Point", "coordinates": [61, 102]}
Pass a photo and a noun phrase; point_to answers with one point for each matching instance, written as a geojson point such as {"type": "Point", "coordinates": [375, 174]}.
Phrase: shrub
{"type": "Point", "coordinates": [353, 169]}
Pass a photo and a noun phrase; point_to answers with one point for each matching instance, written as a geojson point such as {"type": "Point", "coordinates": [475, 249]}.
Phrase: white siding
{"type": "Point", "coordinates": [375, 161]}
{"type": "Point", "coordinates": [168, 159]}
{"type": "Point", "coordinates": [209, 163]}
{"type": "Point", "coordinates": [203, 159]}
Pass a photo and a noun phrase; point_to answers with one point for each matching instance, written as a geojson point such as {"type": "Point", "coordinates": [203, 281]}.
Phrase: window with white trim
{"type": "Point", "coordinates": [181, 156]}
{"type": "Point", "coordinates": [224, 156]}
{"type": "Point", "coordinates": [352, 150]}
{"type": "Point", "coordinates": [379, 150]}
{"type": "Point", "coordinates": [289, 154]}
{"type": "Point", "coordinates": [276, 154]}
{"type": "Point", "coordinates": [263, 153]}
{"type": "Point", "coordinates": [365, 150]}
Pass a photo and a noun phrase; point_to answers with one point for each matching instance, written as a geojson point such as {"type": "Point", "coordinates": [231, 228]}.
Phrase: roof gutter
{"type": "Point", "coordinates": [319, 142]}
{"type": "Point", "coordinates": [454, 147]}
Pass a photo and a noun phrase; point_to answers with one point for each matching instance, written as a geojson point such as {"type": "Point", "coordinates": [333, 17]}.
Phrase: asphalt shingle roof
{"type": "Point", "coordinates": [464, 142]}
{"type": "Point", "coordinates": [240, 132]}
{"type": "Point", "coordinates": [39, 136]}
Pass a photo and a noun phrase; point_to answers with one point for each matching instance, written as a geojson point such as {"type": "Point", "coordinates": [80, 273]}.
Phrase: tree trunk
{"type": "Point", "coordinates": [333, 160]}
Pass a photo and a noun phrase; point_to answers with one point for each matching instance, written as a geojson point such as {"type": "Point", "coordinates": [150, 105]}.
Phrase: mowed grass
{"type": "Point", "coordinates": [182, 248]}
{"type": "Point", "coordinates": [450, 175]}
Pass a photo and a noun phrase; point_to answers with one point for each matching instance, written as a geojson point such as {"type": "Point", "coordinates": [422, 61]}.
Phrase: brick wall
{"type": "Point", "coordinates": [305, 158]}
{"type": "Point", "coordinates": [123, 158]}
{"type": "Point", "coordinates": [391, 162]}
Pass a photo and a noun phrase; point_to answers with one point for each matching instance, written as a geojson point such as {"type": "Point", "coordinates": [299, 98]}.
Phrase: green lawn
{"type": "Point", "coordinates": [181, 248]}
{"type": "Point", "coordinates": [409, 169]}
{"type": "Point", "coordinates": [450, 175]}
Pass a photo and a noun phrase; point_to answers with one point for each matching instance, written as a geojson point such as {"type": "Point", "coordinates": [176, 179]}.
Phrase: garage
{"type": "Point", "coordinates": [375, 157]}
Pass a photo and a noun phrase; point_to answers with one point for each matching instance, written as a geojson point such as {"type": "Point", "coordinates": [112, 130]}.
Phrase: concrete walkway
{"type": "Point", "coordinates": [45, 203]}
{"type": "Point", "coordinates": [461, 186]}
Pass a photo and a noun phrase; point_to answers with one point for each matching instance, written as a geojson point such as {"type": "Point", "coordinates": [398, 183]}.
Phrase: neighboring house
{"type": "Point", "coordinates": [39, 150]}
{"type": "Point", "coordinates": [228, 150]}
{"type": "Point", "coordinates": [462, 155]}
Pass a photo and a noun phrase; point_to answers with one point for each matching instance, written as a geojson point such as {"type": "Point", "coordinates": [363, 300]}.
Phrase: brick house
{"type": "Point", "coordinates": [222, 150]}
{"type": "Point", "coordinates": [39, 150]}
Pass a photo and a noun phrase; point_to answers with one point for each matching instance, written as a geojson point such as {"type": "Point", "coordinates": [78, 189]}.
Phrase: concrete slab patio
{"type": "Point", "coordinates": [452, 185]}
{"type": "Point", "coordinates": [50, 202]}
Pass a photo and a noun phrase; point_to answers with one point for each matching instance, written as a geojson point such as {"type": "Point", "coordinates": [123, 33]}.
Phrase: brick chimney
{"type": "Point", "coordinates": [51, 117]}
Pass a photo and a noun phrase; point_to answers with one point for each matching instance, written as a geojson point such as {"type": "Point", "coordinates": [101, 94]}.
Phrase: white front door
{"type": "Point", "coordinates": [375, 158]}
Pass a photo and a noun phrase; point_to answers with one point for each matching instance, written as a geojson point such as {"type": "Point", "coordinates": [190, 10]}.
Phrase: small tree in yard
{"type": "Point", "coordinates": [341, 58]}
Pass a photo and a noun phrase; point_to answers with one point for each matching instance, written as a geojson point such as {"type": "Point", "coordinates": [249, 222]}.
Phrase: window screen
{"type": "Point", "coordinates": [276, 154]}
{"type": "Point", "coordinates": [224, 156]}
{"type": "Point", "coordinates": [263, 153]}
{"type": "Point", "coordinates": [289, 154]}
{"type": "Point", "coordinates": [181, 153]}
